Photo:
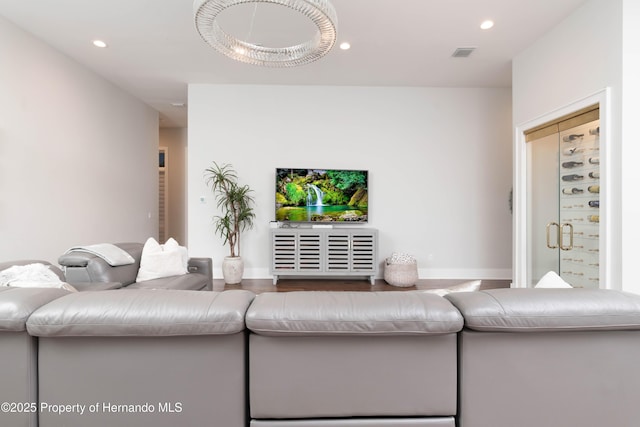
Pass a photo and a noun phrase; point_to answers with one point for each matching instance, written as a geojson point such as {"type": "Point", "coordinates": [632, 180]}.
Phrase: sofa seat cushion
{"type": "Point", "coordinates": [352, 313]}
{"type": "Point", "coordinates": [548, 309]}
{"type": "Point", "coordinates": [142, 312]}
{"type": "Point", "coordinates": [190, 282]}
{"type": "Point", "coordinates": [96, 286]}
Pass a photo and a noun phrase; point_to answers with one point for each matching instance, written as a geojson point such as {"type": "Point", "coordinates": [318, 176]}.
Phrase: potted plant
{"type": "Point", "coordinates": [236, 203]}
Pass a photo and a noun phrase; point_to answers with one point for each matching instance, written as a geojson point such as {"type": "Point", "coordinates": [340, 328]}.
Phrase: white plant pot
{"type": "Point", "coordinates": [232, 270]}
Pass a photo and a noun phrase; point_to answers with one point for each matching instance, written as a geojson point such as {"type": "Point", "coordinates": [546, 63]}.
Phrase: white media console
{"type": "Point", "coordinates": [324, 252]}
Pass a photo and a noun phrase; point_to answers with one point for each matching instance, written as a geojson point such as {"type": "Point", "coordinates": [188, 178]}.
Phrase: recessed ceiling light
{"type": "Point", "coordinates": [345, 46]}
{"type": "Point", "coordinates": [487, 24]}
{"type": "Point", "coordinates": [178, 104]}
{"type": "Point", "coordinates": [99, 43]}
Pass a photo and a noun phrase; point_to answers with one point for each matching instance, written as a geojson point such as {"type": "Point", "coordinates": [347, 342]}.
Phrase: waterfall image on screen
{"type": "Point", "coordinates": [321, 195]}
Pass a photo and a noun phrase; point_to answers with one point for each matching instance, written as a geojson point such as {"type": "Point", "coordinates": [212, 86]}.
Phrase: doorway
{"type": "Point", "coordinates": [560, 195]}
{"type": "Point", "coordinates": [564, 199]}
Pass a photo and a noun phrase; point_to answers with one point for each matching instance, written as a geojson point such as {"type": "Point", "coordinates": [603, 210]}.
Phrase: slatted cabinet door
{"type": "Point", "coordinates": [284, 251]}
{"type": "Point", "coordinates": [310, 252]}
{"type": "Point", "coordinates": [338, 252]}
{"type": "Point", "coordinates": [363, 251]}
{"type": "Point", "coordinates": [295, 251]}
{"type": "Point", "coordinates": [351, 252]}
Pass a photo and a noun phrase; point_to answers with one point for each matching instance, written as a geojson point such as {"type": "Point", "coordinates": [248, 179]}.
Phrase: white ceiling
{"type": "Point", "coordinates": [155, 52]}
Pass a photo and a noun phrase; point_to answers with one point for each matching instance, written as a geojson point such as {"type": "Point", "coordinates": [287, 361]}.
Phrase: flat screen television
{"type": "Point", "coordinates": [322, 195]}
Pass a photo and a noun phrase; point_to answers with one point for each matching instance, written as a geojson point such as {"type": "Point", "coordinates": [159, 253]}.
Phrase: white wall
{"type": "Point", "coordinates": [78, 156]}
{"type": "Point", "coordinates": [583, 55]}
{"type": "Point", "coordinates": [175, 139]}
{"type": "Point", "coordinates": [630, 149]}
{"type": "Point", "coordinates": [578, 57]}
{"type": "Point", "coordinates": [439, 162]}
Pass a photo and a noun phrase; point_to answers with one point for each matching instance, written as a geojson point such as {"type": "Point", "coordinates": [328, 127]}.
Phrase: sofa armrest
{"type": "Point", "coordinates": [202, 266]}
{"type": "Point", "coordinates": [75, 259]}
{"type": "Point", "coordinates": [84, 267]}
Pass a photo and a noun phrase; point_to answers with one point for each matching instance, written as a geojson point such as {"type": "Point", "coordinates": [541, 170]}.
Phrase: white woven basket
{"type": "Point", "coordinates": [402, 275]}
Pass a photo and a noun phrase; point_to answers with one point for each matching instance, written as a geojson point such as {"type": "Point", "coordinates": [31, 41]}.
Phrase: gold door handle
{"type": "Point", "coordinates": [562, 245]}
{"type": "Point", "coordinates": [549, 225]}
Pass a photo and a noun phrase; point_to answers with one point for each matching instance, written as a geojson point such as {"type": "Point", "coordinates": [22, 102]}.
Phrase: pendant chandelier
{"type": "Point", "coordinates": [321, 12]}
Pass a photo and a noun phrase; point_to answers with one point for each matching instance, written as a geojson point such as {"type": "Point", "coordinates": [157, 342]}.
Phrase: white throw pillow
{"type": "Point", "coordinates": [470, 286]}
{"type": "Point", "coordinates": [552, 280]}
{"type": "Point", "coordinates": [172, 245]}
{"type": "Point", "coordinates": [158, 260]}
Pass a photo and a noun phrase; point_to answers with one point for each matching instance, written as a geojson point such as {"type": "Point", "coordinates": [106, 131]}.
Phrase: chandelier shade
{"type": "Point", "coordinates": [320, 12]}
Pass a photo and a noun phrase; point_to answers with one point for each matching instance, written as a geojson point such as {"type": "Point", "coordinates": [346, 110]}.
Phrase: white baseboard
{"type": "Point", "coordinates": [472, 273]}
{"type": "Point", "coordinates": [249, 273]}
{"type": "Point", "coordinates": [423, 273]}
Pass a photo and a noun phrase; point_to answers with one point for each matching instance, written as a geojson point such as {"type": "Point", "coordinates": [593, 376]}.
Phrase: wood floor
{"type": "Point", "coordinates": [292, 284]}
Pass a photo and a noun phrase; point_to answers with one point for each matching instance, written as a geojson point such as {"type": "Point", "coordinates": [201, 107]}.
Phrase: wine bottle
{"type": "Point", "coordinates": [573, 190]}
{"type": "Point", "coordinates": [594, 160]}
{"type": "Point", "coordinates": [594, 175]}
{"type": "Point", "coordinates": [572, 177]}
{"type": "Point", "coordinates": [572, 137]}
{"type": "Point", "coordinates": [593, 189]}
{"type": "Point", "coordinates": [594, 203]}
{"type": "Point", "coordinates": [571, 164]}
{"type": "Point", "coordinates": [572, 150]}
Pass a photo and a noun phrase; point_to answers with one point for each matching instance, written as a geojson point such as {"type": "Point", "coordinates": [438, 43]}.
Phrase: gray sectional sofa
{"type": "Point", "coordinates": [498, 358]}
{"type": "Point", "coordinates": [92, 272]}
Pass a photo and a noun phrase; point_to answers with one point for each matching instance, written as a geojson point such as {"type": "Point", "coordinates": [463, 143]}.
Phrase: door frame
{"type": "Point", "coordinates": [522, 182]}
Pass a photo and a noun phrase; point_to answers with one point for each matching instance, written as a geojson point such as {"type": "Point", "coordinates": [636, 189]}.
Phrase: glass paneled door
{"type": "Point", "coordinates": [564, 204]}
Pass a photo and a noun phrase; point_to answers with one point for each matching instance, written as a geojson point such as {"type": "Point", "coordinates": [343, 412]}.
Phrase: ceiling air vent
{"type": "Point", "coordinates": [463, 52]}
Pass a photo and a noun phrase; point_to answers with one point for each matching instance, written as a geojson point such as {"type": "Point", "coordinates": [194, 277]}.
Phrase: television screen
{"type": "Point", "coordinates": [321, 195]}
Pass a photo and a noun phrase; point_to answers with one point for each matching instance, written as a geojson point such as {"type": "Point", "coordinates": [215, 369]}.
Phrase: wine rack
{"type": "Point", "coordinates": [580, 204]}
